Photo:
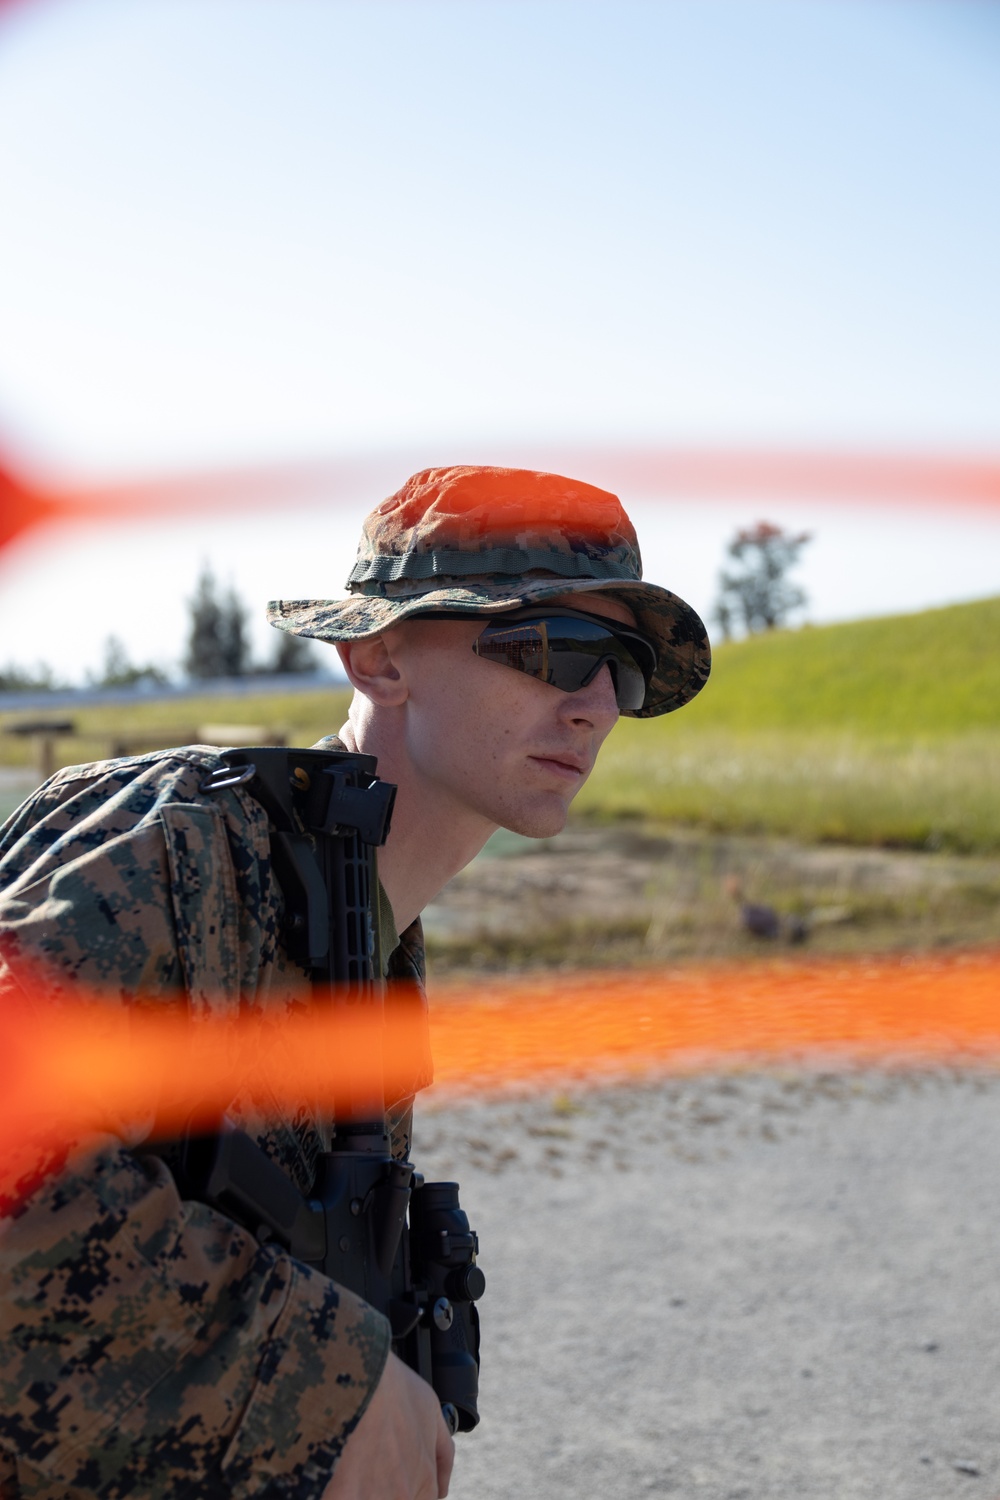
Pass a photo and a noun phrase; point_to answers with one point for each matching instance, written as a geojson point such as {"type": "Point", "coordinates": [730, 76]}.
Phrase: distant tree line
{"type": "Point", "coordinates": [37, 679]}
{"type": "Point", "coordinates": [217, 645]}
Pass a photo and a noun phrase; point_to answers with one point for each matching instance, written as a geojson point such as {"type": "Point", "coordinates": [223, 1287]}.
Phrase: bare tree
{"type": "Point", "coordinates": [757, 595]}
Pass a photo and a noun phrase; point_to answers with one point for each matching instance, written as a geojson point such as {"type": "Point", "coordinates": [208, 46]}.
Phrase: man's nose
{"type": "Point", "coordinates": [596, 703]}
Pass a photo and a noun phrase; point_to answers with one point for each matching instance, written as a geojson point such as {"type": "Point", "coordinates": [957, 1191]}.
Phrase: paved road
{"type": "Point", "coordinates": [735, 1287]}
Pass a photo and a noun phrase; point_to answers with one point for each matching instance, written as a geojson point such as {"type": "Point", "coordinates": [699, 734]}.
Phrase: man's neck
{"type": "Point", "coordinates": [431, 838]}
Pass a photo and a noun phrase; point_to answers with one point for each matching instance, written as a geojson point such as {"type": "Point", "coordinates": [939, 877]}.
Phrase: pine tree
{"type": "Point", "coordinates": [217, 640]}
{"type": "Point", "coordinates": [233, 629]}
{"type": "Point", "coordinates": [293, 653]}
{"type": "Point", "coordinates": [120, 671]}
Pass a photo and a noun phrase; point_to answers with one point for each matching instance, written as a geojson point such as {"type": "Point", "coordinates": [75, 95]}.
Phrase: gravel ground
{"type": "Point", "coordinates": [734, 1286]}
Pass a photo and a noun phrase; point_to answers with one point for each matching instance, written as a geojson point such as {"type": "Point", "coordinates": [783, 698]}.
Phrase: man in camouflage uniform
{"type": "Point", "coordinates": [149, 1347]}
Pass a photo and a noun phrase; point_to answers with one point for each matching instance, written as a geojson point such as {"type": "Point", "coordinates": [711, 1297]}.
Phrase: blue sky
{"type": "Point", "coordinates": [438, 232]}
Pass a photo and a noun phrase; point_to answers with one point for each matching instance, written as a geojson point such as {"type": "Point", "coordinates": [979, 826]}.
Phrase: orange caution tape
{"type": "Point", "coordinates": [596, 1025]}
{"type": "Point", "coordinates": [69, 1070]}
{"type": "Point", "coordinates": [668, 473]}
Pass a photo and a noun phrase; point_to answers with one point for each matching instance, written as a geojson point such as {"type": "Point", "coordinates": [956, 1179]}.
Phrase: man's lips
{"type": "Point", "coordinates": [574, 766]}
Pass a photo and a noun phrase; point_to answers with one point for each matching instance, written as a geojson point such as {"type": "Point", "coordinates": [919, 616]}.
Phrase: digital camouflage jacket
{"type": "Point", "coordinates": [149, 1347]}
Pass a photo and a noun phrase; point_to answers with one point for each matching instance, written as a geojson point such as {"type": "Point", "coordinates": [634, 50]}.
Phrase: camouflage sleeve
{"type": "Point", "coordinates": [149, 1347]}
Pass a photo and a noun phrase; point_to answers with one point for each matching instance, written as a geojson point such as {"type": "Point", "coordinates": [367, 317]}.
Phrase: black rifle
{"type": "Point", "coordinates": [329, 812]}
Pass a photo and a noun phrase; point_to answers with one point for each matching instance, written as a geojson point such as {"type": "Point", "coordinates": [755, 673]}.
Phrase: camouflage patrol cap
{"type": "Point", "coordinates": [481, 540]}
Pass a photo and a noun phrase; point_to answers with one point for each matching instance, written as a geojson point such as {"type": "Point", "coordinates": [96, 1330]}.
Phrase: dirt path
{"type": "Point", "coordinates": [738, 1287]}
{"type": "Point", "coordinates": [620, 895]}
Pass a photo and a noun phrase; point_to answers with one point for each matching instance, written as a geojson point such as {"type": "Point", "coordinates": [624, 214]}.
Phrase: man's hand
{"type": "Point", "coordinates": [401, 1448]}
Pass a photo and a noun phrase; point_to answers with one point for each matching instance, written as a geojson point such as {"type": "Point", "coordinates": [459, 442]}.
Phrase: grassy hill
{"type": "Point", "coordinates": [935, 672]}
{"type": "Point", "coordinates": [879, 731]}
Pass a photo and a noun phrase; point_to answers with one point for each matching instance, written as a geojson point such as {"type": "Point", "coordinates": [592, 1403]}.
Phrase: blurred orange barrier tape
{"type": "Point", "coordinates": [24, 505]}
{"type": "Point", "coordinates": [596, 1025]}
{"type": "Point", "coordinates": [800, 474]}
{"type": "Point", "coordinates": [766, 474]}
{"type": "Point", "coordinates": [89, 1061]}
{"type": "Point", "coordinates": [72, 1069]}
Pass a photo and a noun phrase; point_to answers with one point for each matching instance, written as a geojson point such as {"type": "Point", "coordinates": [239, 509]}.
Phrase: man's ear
{"type": "Point", "coordinates": [373, 672]}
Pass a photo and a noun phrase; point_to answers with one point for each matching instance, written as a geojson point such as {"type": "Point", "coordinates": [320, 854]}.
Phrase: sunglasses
{"type": "Point", "coordinates": [567, 648]}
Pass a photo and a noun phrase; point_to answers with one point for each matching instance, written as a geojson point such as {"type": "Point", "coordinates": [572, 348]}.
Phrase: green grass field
{"type": "Point", "coordinates": [879, 731]}
{"type": "Point", "coordinates": [932, 673]}
{"type": "Point", "coordinates": [921, 792]}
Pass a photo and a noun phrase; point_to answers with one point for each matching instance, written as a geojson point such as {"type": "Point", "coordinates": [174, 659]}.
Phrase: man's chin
{"type": "Point", "coordinates": [537, 822]}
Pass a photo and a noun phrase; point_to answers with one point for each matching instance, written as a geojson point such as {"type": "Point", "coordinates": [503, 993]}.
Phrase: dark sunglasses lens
{"type": "Point", "coordinates": [566, 653]}
{"type": "Point", "coordinates": [630, 685]}
{"type": "Point", "coordinates": [522, 646]}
